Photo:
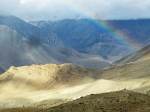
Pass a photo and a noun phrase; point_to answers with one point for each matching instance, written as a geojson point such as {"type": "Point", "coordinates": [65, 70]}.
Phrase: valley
{"type": "Point", "coordinates": [46, 85]}
{"type": "Point", "coordinates": [44, 68]}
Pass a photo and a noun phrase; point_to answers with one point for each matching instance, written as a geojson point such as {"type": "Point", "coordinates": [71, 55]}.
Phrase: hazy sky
{"type": "Point", "coordinates": [69, 9]}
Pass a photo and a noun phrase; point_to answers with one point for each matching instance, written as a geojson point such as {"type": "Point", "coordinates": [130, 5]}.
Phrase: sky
{"type": "Point", "coordinates": [75, 9]}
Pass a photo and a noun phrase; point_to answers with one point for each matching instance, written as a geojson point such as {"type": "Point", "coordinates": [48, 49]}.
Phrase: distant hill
{"type": "Point", "coordinates": [85, 36]}
{"type": "Point", "coordinates": [143, 53]}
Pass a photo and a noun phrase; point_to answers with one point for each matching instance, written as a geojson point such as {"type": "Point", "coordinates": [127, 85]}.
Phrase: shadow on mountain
{"type": "Point", "coordinates": [34, 41]}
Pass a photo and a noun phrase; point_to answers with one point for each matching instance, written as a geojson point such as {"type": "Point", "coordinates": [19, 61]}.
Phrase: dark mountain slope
{"type": "Point", "coordinates": [87, 37]}
{"type": "Point", "coordinates": [30, 31]}
{"type": "Point", "coordinates": [16, 50]}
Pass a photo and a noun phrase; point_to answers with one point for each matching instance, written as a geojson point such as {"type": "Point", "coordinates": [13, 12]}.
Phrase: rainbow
{"type": "Point", "coordinates": [100, 24]}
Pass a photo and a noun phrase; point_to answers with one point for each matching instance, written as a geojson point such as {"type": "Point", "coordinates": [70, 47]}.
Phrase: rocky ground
{"type": "Point", "coordinates": [120, 101]}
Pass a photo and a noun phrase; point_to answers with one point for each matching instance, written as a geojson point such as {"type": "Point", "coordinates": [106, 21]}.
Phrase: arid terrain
{"type": "Point", "coordinates": [39, 87]}
{"type": "Point", "coordinates": [74, 56]}
{"type": "Point", "coordinates": [120, 101]}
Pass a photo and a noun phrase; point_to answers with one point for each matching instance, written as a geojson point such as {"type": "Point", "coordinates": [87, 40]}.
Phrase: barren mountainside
{"type": "Point", "coordinates": [17, 50]}
{"type": "Point", "coordinates": [89, 36]}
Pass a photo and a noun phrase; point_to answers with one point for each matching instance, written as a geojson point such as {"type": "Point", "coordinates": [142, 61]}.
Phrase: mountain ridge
{"type": "Point", "coordinates": [85, 36]}
{"type": "Point", "coordinates": [30, 31]}
{"type": "Point", "coordinates": [88, 37]}
{"type": "Point", "coordinates": [143, 53]}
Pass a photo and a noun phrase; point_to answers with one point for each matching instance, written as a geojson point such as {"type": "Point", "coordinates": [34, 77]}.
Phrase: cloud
{"type": "Point", "coordinates": [129, 9]}
{"type": "Point", "coordinates": [8, 6]}
{"type": "Point", "coordinates": [70, 9]}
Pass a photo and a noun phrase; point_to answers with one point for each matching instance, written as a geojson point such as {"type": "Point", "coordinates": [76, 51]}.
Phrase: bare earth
{"type": "Point", "coordinates": [121, 101]}
{"type": "Point", "coordinates": [39, 87]}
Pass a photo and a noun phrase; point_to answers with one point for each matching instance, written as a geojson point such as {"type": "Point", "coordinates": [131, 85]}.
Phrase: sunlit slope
{"type": "Point", "coordinates": [54, 84]}
{"type": "Point", "coordinates": [60, 95]}
{"type": "Point", "coordinates": [44, 77]}
{"type": "Point", "coordinates": [129, 71]}
{"type": "Point", "coordinates": [144, 53]}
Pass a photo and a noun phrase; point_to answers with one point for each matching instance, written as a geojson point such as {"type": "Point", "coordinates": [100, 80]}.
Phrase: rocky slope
{"type": "Point", "coordinates": [120, 101]}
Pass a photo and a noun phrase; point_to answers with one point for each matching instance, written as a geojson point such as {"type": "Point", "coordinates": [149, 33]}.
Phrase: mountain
{"type": "Point", "coordinates": [47, 85]}
{"type": "Point", "coordinates": [85, 36]}
{"type": "Point", "coordinates": [143, 53]}
{"type": "Point", "coordinates": [17, 50]}
{"type": "Point", "coordinates": [88, 36]}
{"type": "Point", "coordinates": [30, 31]}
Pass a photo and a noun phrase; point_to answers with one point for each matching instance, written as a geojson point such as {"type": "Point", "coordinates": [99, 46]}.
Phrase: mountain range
{"type": "Point", "coordinates": [91, 37]}
{"type": "Point", "coordinates": [71, 41]}
{"type": "Point", "coordinates": [17, 50]}
{"type": "Point", "coordinates": [70, 65]}
{"type": "Point", "coordinates": [85, 36]}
